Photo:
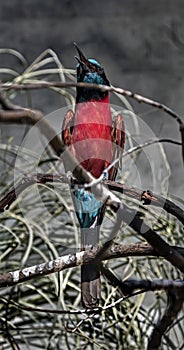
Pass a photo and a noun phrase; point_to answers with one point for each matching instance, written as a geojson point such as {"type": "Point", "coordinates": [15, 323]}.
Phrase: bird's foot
{"type": "Point", "coordinates": [105, 174]}
{"type": "Point", "coordinates": [70, 177]}
{"type": "Point", "coordinates": [146, 197]}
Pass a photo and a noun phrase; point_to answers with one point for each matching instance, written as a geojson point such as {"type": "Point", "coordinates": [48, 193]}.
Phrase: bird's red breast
{"type": "Point", "coordinates": [91, 138]}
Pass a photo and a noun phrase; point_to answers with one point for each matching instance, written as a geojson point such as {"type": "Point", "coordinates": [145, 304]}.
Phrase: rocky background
{"type": "Point", "coordinates": [140, 43]}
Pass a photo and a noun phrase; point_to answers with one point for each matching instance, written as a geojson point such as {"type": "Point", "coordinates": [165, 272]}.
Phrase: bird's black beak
{"type": "Point", "coordinates": [83, 61]}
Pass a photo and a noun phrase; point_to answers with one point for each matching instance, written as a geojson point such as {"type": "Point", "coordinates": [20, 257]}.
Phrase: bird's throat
{"type": "Point", "coordinates": [87, 95]}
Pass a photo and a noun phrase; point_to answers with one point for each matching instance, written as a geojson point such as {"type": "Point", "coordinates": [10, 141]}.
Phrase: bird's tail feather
{"type": "Point", "coordinates": [90, 214]}
{"type": "Point", "coordinates": [90, 273]}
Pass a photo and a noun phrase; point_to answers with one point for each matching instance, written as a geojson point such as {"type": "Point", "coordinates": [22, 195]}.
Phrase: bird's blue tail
{"type": "Point", "coordinates": [90, 213]}
{"type": "Point", "coordinates": [88, 208]}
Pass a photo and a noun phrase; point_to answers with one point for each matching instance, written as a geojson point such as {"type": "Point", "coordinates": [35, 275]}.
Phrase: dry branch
{"type": "Point", "coordinates": [134, 219]}
{"type": "Point", "coordinates": [121, 91]}
{"type": "Point", "coordinates": [134, 285]}
{"type": "Point", "coordinates": [147, 197]}
{"type": "Point", "coordinates": [175, 299]}
{"type": "Point", "coordinates": [79, 258]}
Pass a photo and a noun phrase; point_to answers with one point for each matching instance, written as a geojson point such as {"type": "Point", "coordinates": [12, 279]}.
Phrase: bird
{"type": "Point", "coordinates": [95, 140]}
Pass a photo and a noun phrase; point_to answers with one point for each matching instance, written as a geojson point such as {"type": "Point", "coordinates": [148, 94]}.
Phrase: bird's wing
{"type": "Point", "coordinates": [67, 127]}
{"type": "Point", "coordinates": [118, 141]}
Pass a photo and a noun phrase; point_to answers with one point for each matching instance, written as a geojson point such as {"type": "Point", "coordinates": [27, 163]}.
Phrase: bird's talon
{"type": "Point", "coordinates": [69, 175]}
{"type": "Point", "coordinates": [105, 175]}
{"type": "Point", "coordinates": [92, 183]}
{"type": "Point", "coordinates": [146, 197]}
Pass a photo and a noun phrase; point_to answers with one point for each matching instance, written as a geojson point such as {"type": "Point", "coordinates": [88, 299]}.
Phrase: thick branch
{"type": "Point", "coordinates": [134, 220]}
{"type": "Point", "coordinates": [174, 306]}
{"type": "Point", "coordinates": [73, 260]}
{"type": "Point", "coordinates": [175, 292]}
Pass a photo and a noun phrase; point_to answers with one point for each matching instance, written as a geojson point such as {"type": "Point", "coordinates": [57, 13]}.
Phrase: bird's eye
{"type": "Point", "coordinates": [100, 70]}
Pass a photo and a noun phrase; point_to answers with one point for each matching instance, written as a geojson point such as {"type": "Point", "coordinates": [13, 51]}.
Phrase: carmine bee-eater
{"type": "Point", "coordinates": [95, 140]}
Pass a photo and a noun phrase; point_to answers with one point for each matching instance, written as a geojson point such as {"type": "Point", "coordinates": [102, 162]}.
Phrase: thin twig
{"type": "Point", "coordinates": [127, 153]}
{"type": "Point", "coordinates": [147, 197]}
{"type": "Point", "coordinates": [132, 285]}
{"type": "Point", "coordinates": [121, 91]}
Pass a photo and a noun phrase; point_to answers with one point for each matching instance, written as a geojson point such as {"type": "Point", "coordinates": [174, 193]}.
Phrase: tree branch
{"type": "Point", "coordinates": [76, 259]}
{"type": "Point", "coordinates": [147, 197]}
{"type": "Point", "coordinates": [134, 220]}
{"type": "Point", "coordinates": [120, 91]}
{"type": "Point", "coordinates": [141, 286]}
{"type": "Point", "coordinates": [174, 305]}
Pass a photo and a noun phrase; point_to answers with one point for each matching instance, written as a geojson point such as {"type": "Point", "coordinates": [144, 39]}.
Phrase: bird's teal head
{"type": "Point", "coordinates": [89, 71]}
